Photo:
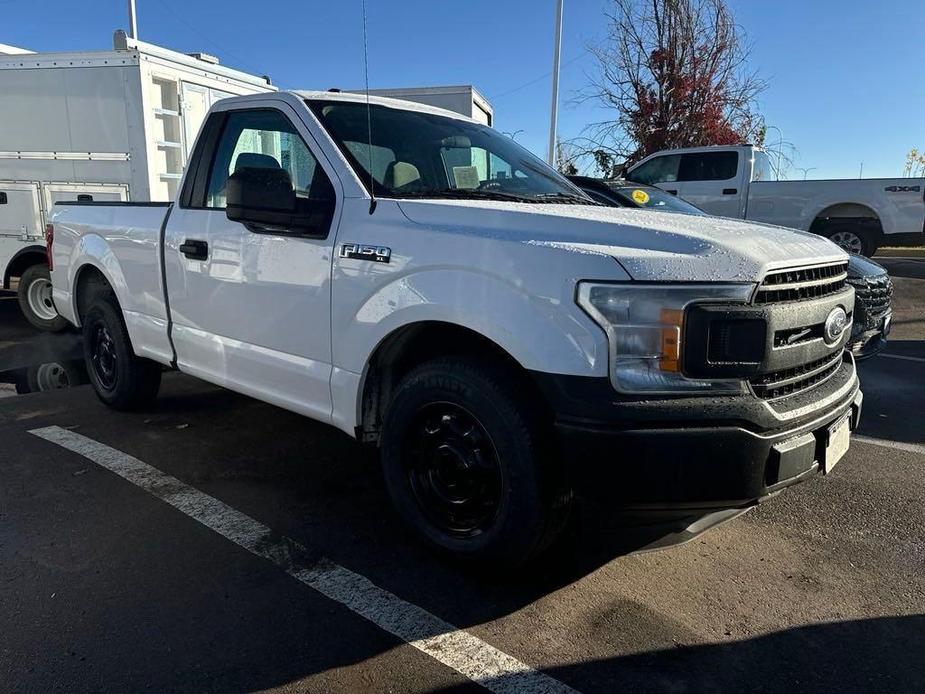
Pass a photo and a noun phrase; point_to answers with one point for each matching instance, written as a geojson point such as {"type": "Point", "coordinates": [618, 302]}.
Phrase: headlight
{"type": "Point", "coordinates": [644, 325]}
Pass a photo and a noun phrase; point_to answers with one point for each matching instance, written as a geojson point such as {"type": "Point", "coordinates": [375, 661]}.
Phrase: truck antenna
{"type": "Point", "coordinates": [369, 118]}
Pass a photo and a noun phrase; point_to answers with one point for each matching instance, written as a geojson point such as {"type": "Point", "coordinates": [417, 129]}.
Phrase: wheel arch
{"type": "Point", "coordinates": [90, 251]}
{"type": "Point", "coordinates": [855, 217]}
{"type": "Point", "coordinates": [415, 343]}
{"type": "Point", "coordinates": [844, 211]}
{"type": "Point", "coordinates": [23, 259]}
{"type": "Point", "coordinates": [86, 277]}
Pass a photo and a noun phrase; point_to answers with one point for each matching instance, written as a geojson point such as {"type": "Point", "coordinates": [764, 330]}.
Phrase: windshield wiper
{"type": "Point", "coordinates": [466, 194]}
{"type": "Point", "coordinates": [568, 198]}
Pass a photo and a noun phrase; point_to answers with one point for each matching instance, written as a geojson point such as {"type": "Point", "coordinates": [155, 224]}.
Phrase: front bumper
{"type": "Point", "coordinates": [684, 460]}
{"type": "Point", "coordinates": [869, 338]}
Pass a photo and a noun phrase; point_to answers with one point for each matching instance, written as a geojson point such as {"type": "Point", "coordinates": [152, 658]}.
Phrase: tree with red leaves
{"type": "Point", "coordinates": [674, 72]}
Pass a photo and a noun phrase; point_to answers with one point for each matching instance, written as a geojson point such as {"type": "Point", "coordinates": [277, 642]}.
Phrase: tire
{"type": "Point", "coordinates": [852, 239]}
{"type": "Point", "coordinates": [35, 299]}
{"type": "Point", "coordinates": [463, 430]}
{"type": "Point", "coordinates": [121, 380]}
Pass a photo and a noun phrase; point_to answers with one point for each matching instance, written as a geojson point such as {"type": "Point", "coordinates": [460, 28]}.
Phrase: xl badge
{"type": "Point", "coordinates": [835, 325]}
{"type": "Point", "coordinates": [358, 251]}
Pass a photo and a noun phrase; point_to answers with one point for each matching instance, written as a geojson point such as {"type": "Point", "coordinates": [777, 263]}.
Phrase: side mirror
{"type": "Point", "coordinates": [263, 198]}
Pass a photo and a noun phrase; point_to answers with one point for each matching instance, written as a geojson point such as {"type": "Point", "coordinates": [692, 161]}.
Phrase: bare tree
{"type": "Point", "coordinates": [567, 156]}
{"type": "Point", "coordinates": [673, 72]}
{"type": "Point", "coordinates": [915, 164]}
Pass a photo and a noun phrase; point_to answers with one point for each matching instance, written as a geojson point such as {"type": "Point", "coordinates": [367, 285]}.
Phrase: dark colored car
{"type": "Point", "coordinates": [873, 306]}
{"type": "Point", "coordinates": [873, 289]}
{"type": "Point", "coordinates": [620, 193]}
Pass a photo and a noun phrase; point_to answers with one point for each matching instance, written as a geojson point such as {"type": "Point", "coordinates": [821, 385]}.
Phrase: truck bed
{"type": "Point", "coordinates": [123, 238]}
{"type": "Point", "coordinates": [898, 202]}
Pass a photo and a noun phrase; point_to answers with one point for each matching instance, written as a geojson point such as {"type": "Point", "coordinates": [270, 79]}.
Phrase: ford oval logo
{"type": "Point", "coordinates": [835, 324]}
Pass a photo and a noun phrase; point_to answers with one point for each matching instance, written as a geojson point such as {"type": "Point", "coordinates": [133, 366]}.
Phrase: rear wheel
{"type": "Point", "coordinates": [852, 239]}
{"type": "Point", "coordinates": [120, 379]}
{"type": "Point", "coordinates": [35, 300]}
{"type": "Point", "coordinates": [467, 464]}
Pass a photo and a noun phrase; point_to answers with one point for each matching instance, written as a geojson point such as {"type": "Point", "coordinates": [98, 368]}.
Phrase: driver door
{"type": "Point", "coordinates": [251, 306]}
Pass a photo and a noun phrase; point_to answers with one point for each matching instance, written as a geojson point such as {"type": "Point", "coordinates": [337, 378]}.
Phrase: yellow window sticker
{"type": "Point", "coordinates": [640, 196]}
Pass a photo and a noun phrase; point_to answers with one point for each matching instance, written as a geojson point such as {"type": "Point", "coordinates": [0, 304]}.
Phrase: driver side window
{"type": "Point", "coordinates": [662, 169]}
{"type": "Point", "coordinates": [265, 139]}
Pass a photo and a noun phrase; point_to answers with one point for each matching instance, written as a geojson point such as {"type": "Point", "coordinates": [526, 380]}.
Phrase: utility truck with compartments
{"type": "Point", "coordinates": [858, 214]}
{"type": "Point", "coordinates": [421, 282]}
{"type": "Point", "coordinates": [109, 125]}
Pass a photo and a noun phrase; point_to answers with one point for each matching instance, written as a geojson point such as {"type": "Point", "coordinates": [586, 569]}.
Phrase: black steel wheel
{"type": "Point", "coordinates": [121, 380]}
{"type": "Point", "coordinates": [103, 357]}
{"type": "Point", "coordinates": [469, 462]}
{"type": "Point", "coordinates": [453, 469]}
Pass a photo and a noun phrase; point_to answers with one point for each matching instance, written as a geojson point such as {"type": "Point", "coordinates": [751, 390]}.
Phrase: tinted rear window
{"type": "Point", "coordinates": [708, 166]}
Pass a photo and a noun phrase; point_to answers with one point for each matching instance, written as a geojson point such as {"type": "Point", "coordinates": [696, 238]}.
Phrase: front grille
{"type": "Point", "coordinates": [779, 384]}
{"type": "Point", "coordinates": [802, 284]}
{"type": "Point", "coordinates": [874, 294]}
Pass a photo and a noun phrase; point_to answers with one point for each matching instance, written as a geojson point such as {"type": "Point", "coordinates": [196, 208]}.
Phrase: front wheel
{"type": "Point", "coordinates": [467, 464]}
{"type": "Point", "coordinates": [35, 300]}
{"type": "Point", "coordinates": [120, 379]}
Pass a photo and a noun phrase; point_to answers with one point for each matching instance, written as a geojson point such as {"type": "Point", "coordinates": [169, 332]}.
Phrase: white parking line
{"type": "Point", "coordinates": [898, 445]}
{"type": "Point", "coordinates": [466, 654]}
{"type": "Point", "coordinates": [903, 357]}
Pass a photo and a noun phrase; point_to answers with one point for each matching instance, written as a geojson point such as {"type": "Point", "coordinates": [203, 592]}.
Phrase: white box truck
{"type": "Point", "coordinates": [110, 125]}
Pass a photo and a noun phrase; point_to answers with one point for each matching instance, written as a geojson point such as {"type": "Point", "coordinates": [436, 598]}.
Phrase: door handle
{"type": "Point", "coordinates": [195, 250]}
{"type": "Point", "coordinates": [673, 192]}
{"type": "Point", "coordinates": [730, 191]}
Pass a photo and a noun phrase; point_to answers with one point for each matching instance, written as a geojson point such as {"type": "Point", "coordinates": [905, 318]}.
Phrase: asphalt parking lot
{"type": "Point", "coordinates": [216, 543]}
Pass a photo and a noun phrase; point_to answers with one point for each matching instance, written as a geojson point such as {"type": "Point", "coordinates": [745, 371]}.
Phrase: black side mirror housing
{"type": "Point", "coordinates": [263, 198]}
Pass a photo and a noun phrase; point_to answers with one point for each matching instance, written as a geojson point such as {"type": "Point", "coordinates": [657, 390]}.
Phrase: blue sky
{"type": "Point", "coordinates": [847, 80]}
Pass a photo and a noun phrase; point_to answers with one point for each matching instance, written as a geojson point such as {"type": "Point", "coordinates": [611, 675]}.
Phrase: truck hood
{"type": "Point", "coordinates": [649, 245]}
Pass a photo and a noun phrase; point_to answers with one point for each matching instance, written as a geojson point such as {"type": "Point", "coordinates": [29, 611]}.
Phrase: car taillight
{"type": "Point", "coordinates": [49, 240]}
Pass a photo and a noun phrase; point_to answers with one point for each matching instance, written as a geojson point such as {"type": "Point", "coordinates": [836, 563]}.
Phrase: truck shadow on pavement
{"type": "Point", "coordinates": [867, 655]}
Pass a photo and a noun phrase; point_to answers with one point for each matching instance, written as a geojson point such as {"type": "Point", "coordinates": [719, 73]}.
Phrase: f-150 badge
{"type": "Point", "coordinates": [358, 251]}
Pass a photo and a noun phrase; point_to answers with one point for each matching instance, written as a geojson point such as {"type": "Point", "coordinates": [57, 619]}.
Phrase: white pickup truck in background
{"type": "Point", "coordinates": [860, 215]}
{"type": "Point", "coordinates": [421, 282]}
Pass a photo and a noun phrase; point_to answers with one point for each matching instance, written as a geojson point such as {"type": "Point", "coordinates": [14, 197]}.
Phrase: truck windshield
{"type": "Point", "coordinates": [423, 155]}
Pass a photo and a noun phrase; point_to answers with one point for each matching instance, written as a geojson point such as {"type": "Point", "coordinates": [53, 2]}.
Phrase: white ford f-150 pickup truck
{"type": "Point", "coordinates": [858, 214]}
{"type": "Point", "coordinates": [425, 284]}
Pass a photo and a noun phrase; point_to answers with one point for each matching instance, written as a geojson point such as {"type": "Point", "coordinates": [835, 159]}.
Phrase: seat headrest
{"type": "Point", "coordinates": [252, 160]}
{"type": "Point", "coordinates": [401, 173]}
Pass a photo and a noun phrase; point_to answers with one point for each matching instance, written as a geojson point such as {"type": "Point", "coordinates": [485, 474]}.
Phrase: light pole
{"type": "Point", "coordinates": [551, 156]}
{"type": "Point", "coordinates": [132, 20]}
{"type": "Point", "coordinates": [780, 143]}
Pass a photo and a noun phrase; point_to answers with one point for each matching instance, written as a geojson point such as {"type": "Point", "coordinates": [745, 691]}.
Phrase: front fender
{"type": "Point", "coordinates": [541, 331]}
